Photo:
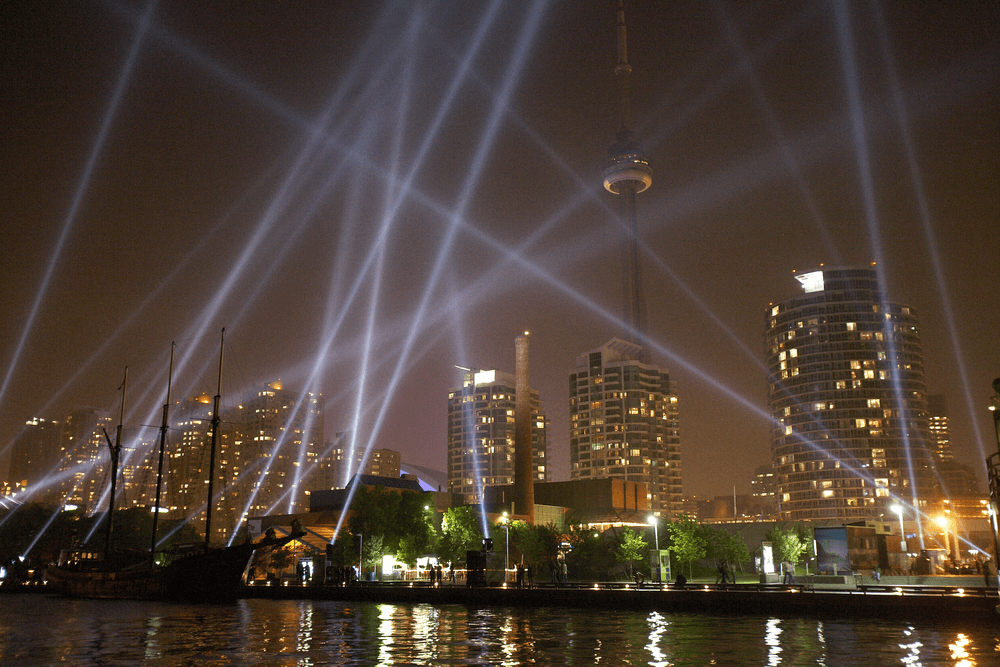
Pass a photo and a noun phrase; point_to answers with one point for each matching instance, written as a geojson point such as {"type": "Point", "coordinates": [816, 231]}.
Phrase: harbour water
{"type": "Point", "coordinates": [45, 630]}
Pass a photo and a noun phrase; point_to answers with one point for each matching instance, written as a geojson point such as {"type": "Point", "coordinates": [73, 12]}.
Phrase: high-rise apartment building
{"type": "Point", "coordinates": [35, 452]}
{"type": "Point", "coordinates": [937, 421]}
{"type": "Point", "coordinates": [266, 455]}
{"type": "Point", "coordinates": [82, 467]}
{"type": "Point", "coordinates": [186, 460]}
{"type": "Point", "coordinates": [623, 423]}
{"type": "Point", "coordinates": [278, 436]}
{"type": "Point", "coordinates": [481, 434]}
{"type": "Point", "coordinates": [848, 400]}
{"type": "Point", "coordinates": [342, 467]}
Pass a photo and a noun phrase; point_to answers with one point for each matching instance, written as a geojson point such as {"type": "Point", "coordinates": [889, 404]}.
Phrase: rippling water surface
{"type": "Point", "coordinates": [40, 630]}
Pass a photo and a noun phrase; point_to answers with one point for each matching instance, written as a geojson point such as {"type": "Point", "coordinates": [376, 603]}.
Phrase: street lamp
{"type": "Point", "coordinates": [656, 531]}
{"type": "Point", "coordinates": [943, 522]}
{"type": "Point", "coordinates": [506, 558]}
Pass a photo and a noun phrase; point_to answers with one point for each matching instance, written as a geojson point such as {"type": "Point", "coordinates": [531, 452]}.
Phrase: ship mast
{"type": "Point", "coordinates": [115, 449]}
{"type": "Point", "coordinates": [215, 436]}
{"type": "Point", "coordinates": [163, 441]}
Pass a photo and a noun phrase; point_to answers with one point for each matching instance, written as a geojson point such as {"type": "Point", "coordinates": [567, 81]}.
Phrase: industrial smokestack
{"type": "Point", "coordinates": [524, 482]}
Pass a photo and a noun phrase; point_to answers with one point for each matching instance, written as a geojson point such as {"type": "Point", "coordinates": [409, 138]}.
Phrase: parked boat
{"type": "Point", "coordinates": [200, 574]}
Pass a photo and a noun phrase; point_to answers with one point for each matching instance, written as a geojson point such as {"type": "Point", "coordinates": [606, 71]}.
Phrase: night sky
{"type": "Point", "coordinates": [366, 194]}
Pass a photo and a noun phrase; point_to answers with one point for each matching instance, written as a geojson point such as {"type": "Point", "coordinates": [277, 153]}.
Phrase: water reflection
{"type": "Point", "coordinates": [307, 633]}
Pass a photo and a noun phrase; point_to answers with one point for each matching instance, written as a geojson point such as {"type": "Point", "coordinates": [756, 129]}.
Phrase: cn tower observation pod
{"type": "Point", "coordinates": [627, 162]}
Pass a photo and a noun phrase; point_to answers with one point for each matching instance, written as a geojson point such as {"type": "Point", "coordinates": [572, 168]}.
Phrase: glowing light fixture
{"type": "Point", "coordinates": [811, 282]}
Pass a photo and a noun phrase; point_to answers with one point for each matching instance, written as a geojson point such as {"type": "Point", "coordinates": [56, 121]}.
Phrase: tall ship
{"type": "Point", "coordinates": [196, 573]}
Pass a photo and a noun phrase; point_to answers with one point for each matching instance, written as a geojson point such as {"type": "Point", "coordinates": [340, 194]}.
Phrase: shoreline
{"type": "Point", "coordinates": [884, 601]}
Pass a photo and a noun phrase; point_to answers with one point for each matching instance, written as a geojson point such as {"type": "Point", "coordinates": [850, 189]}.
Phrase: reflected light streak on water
{"type": "Point", "coordinates": [307, 632]}
{"type": "Point", "coordinates": [773, 641]}
{"type": "Point", "coordinates": [657, 629]}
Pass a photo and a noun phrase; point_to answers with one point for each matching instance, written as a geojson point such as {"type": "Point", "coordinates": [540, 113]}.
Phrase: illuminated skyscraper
{"type": "Point", "coordinates": [848, 400]}
{"type": "Point", "coordinates": [83, 467]}
{"type": "Point", "coordinates": [35, 452]}
{"type": "Point", "coordinates": [277, 444]}
{"type": "Point", "coordinates": [481, 434]}
{"type": "Point", "coordinates": [338, 467]}
{"type": "Point", "coordinates": [187, 458]}
{"type": "Point", "coordinates": [937, 417]}
{"type": "Point", "coordinates": [623, 423]}
{"type": "Point", "coordinates": [266, 446]}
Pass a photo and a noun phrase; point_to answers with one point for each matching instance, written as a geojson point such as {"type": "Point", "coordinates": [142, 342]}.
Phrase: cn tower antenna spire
{"type": "Point", "coordinates": [627, 173]}
{"type": "Point", "coordinates": [623, 69]}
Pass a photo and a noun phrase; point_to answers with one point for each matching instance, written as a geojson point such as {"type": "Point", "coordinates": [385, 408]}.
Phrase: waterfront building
{"type": "Point", "coordinates": [267, 455]}
{"type": "Point", "coordinates": [82, 467]}
{"type": "Point", "coordinates": [339, 466]}
{"type": "Point", "coordinates": [848, 400]}
{"type": "Point", "coordinates": [481, 434]}
{"type": "Point", "coordinates": [35, 452]}
{"type": "Point", "coordinates": [187, 459]}
{"type": "Point", "coordinates": [276, 450]}
{"type": "Point", "coordinates": [937, 422]}
{"type": "Point", "coordinates": [623, 423]}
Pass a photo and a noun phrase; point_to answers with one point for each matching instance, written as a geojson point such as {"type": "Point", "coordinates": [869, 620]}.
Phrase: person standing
{"type": "Point", "coordinates": [720, 577]}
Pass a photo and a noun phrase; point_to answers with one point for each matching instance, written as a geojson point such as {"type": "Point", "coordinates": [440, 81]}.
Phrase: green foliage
{"type": "Point", "coordinates": [278, 560]}
{"type": "Point", "coordinates": [791, 544]}
{"type": "Point", "coordinates": [460, 532]}
{"type": "Point", "coordinates": [374, 512]}
{"type": "Point", "coordinates": [727, 546]}
{"type": "Point", "coordinates": [631, 548]}
{"type": "Point", "coordinates": [401, 520]}
{"type": "Point", "coordinates": [688, 543]}
{"type": "Point", "coordinates": [591, 557]}
{"type": "Point", "coordinates": [533, 545]}
{"type": "Point", "coordinates": [372, 550]}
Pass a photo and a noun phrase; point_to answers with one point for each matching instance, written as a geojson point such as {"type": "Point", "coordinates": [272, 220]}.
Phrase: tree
{"type": "Point", "coordinates": [592, 555]}
{"type": "Point", "coordinates": [688, 545]}
{"type": "Point", "coordinates": [404, 521]}
{"type": "Point", "coordinates": [460, 532]}
{"type": "Point", "coordinates": [631, 547]}
{"type": "Point", "coordinates": [372, 549]}
{"type": "Point", "coordinates": [728, 547]}
{"type": "Point", "coordinates": [536, 544]}
{"type": "Point", "coordinates": [789, 545]}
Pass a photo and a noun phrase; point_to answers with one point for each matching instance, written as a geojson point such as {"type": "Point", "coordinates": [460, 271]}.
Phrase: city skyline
{"type": "Point", "coordinates": [173, 173]}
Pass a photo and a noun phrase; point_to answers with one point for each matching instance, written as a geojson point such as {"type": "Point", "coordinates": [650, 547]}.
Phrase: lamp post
{"type": "Point", "coordinates": [361, 557]}
{"type": "Point", "coordinates": [943, 522]}
{"type": "Point", "coordinates": [506, 542]}
{"type": "Point", "coordinates": [656, 531]}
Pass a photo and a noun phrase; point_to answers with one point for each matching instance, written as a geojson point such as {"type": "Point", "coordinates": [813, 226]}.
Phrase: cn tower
{"type": "Point", "coordinates": [626, 174]}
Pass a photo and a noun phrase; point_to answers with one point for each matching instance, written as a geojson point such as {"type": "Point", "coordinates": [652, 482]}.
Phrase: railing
{"type": "Point", "coordinates": [697, 587]}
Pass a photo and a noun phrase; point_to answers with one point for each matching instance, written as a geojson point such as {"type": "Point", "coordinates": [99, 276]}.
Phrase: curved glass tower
{"type": "Point", "coordinates": [848, 400]}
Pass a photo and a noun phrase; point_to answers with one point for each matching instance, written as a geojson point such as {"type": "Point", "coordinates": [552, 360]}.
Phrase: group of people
{"type": "Point", "coordinates": [558, 569]}
{"type": "Point", "coordinates": [341, 575]}
{"type": "Point", "coordinates": [436, 574]}
{"type": "Point", "coordinates": [524, 576]}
